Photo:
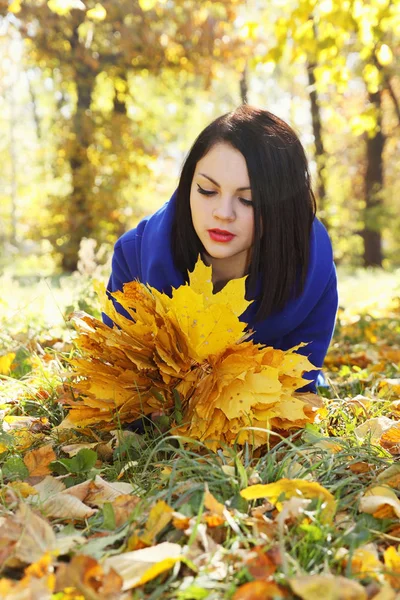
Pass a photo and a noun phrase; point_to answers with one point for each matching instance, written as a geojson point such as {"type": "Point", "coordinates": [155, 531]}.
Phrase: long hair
{"type": "Point", "coordinates": [284, 203]}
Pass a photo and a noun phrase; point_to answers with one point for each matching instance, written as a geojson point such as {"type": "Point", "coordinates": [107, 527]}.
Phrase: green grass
{"type": "Point", "coordinates": [164, 468]}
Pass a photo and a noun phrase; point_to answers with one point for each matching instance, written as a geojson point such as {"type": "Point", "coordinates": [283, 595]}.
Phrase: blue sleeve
{"type": "Point", "coordinates": [317, 329]}
{"type": "Point", "coordinates": [121, 272]}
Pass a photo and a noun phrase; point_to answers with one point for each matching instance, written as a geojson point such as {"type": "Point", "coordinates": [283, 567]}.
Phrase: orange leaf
{"type": "Point", "coordinates": [390, 439]}
{"type": "Point", "coordinates": [214, 520]}
{"type": "Point", "coordinates": [360, 467]}
{"type": "Point", "coordinates": [212, 504]}
{"type": "Point", "coordinates": [181, 523]}
{"type": "Point", "coordinates": [85, 574]}
{"type": "Point", "coordinates": [259, 590]}
{"type": "Point", "coordinates": [37, 461]}
{"type": "Point", "coordinates": [261, 565]}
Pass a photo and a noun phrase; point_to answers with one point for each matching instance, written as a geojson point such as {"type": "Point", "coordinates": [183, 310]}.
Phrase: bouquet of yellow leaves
{"type": "Point", "coordinates": [186, 355]}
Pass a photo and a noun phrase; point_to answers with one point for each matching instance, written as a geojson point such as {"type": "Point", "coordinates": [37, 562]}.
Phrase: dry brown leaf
{"type": "Point", "coordinates": [133, 566]}
{"type": "Point", "coordinates": [329, 587]}
{"type": "Point", "coordinates": [123, 507]}
{"type": "Point", "coordinates": [390, 476]}
{"type": "Point", "coordinates": [27, 535]}
{"type": "Point", "coordinates": [73, 449]}
{"type": "Point", "coordinates": [380, 497]}
{"type": "Point", "coordinates": [374, 428]}
{"type": "Point", "coordinates": [37, 461]}
{"type": "Point", "coordinates": [77, 501]}
{"type": "Point", "coordinates": [66, 507]}
{"type": "Point", "coordinates": [85, 575]}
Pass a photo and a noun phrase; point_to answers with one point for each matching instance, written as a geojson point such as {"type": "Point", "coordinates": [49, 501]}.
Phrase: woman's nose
{"type": "Point", "coordinates": [224, 210]}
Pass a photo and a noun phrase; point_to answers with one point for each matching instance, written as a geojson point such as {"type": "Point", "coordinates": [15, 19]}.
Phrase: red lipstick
{"type": "Point", "coordinates": [220, 235]}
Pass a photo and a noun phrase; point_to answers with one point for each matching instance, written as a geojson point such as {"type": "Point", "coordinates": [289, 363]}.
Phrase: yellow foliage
{"type": "Point", "coordinates": [6, 362]}
{"type": "Point", "coordinates": [192, 343]}
{"type": "Point", "coordinates": [289, 488]}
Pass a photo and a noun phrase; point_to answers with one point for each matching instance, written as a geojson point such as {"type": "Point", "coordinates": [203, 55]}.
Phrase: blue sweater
{"type": "Point", "coordinates": [144, 253]}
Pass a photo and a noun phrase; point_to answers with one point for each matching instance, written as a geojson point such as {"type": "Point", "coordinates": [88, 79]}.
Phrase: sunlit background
{"type": "Point", "coordinates": [101, 101]}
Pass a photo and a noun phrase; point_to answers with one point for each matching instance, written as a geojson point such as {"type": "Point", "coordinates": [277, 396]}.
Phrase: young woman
{"type": "Point", "coordinates": [244, 203]}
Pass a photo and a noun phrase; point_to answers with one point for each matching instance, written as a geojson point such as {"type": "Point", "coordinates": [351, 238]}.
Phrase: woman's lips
{"type": "Point", "coordinates": [219, 236]}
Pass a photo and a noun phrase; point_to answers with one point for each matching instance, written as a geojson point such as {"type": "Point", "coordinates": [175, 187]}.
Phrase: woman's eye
{"type": "Point", "coordinates": [204, 192]}
{"type": "Point", "coordinates": [211, 193]}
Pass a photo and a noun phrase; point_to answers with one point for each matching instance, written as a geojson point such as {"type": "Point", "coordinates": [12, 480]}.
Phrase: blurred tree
{"type": "Point", "coordinates": [94, 46]}
{"type": "Point", "coordinates": [338, 42]}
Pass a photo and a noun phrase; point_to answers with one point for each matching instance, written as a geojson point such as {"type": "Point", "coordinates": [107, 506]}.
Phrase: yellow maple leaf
{"type": "Point", "coordinates": [392, 563]}
{"type": "Point", "coordinates": [293, 487]}
{"type": "Point", "coordinates": [160, 515]}
{"type": "Point", "coordinates": [5, 363]}
{"type": "Point", "coordinates": [193, 343]}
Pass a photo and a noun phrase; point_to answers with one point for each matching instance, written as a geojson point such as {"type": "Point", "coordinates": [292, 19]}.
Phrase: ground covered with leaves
{"type": "Point", "coordinates": [108, 514]}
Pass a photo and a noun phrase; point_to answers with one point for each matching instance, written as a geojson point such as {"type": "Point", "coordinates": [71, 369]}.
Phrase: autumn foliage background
{"type": "Point", "coordinates": [100, 102]}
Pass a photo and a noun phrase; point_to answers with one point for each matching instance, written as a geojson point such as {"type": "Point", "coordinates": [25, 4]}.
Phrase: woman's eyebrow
{"type": "Point", "coordinates": [217, 184]}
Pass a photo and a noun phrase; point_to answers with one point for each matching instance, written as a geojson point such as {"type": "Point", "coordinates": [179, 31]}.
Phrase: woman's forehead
{"type": "Point", "coordinates": [224, 164]}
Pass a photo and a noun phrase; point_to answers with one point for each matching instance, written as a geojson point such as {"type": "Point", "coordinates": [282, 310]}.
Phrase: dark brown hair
{"type": "Point", "coordinates": [284, 203]}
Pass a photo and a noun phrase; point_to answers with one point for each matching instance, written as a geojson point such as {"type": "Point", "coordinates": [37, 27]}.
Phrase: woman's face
{"type": "Point", "coordinates": [220, 201]}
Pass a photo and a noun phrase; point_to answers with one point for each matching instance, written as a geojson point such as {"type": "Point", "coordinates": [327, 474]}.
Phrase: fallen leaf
{"type": "Point", "coordinates": [390, 439]}
{"type": "Point", "coordinates": [360, 467]}
{"type": "Point", "coordinates": [293, 487]}
{"type": "Point", "coordinates": [214, 520]}
{"type": "Point", "coordinates": [329, 587]}
{"type": "Point", "coordinates": [85, 575]}
{"type": "Point", "coordinates": [259, 590]}
{"type": "Point", "coordinates": [212, 504]}
{"type": "Point", "coordinates": [22, 488]}
{"type": "Point", "coordinates": [136, 567]}
{"type": "Point", "coordinates": [377, 498]}
{"type": "Point", "coordinates": [392, 385]}
{"type": "Point", "coordinates": [260, 564]}
{"type": "Point", "coordinates": [6, 361]}
{"type": "Point", "coordinates": [32, 535]}
{"type": "Point", "coordinates": [37, 461]}
{"type": "Point", "coordinates": [386, 592]}
{"type": "Point", "coordinates": [365, 562]}
{"type": "Point", "coordinates": [123, 507]}
{"type": "Point", "coordinates": [160, 515]}
{"type": "Point", "coordinates": [390, 476]}
{"type": "Point", "coordinates": [374, 428]}
{"type": "Point", "coordinates": [73, 449]}
{"type": "Point", "coordinates": [391, 558]}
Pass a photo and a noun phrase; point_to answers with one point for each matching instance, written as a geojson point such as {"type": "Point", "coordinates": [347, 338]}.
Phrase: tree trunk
{"type": "Point", "coordinates": [373, 188]}
{"type": "Point", "coordinates": [319, 144]}
{"type": "Point", "coordinates": [244, 88]}
{"type": "Point", "coordinates": [14, 168]}
{"type": "Point", "coordinates": [79, 213]}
